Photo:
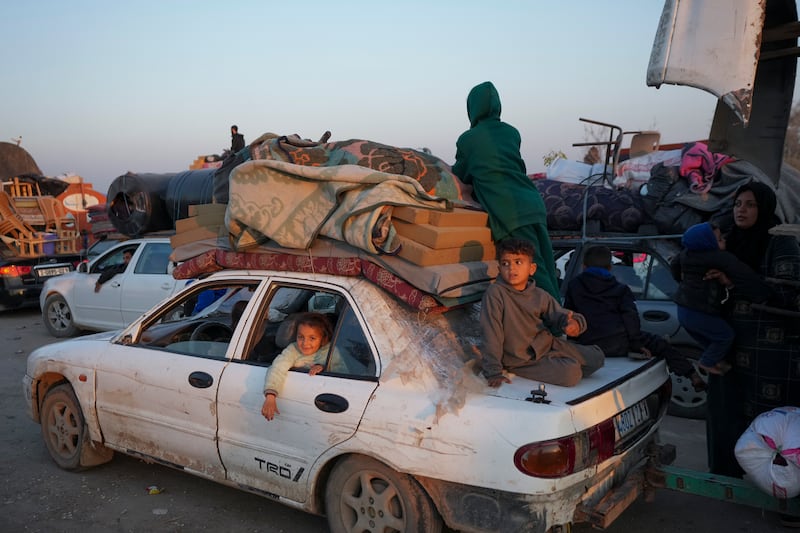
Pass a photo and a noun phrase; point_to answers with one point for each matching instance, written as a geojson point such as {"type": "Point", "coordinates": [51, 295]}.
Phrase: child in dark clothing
{"type": "Point", "coordinates": [613, 319]}
{"type": "Point", "coordinates": [517, 318]}
{"type": "Point", "coordinates": [700, 300]}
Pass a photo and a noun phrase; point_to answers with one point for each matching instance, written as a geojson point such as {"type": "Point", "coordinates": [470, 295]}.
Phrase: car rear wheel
{"type": "Point", "coordinates": [365, 495]}
{"type": "Point", "coordinates": [687, 402]}
{"type": "Point", "coordinates": [65, 433]}
{"type": "Point", "coordinates": [58, 317]}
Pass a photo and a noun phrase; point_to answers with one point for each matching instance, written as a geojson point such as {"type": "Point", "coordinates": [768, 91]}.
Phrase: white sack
{"type": "Point", "coordinates": [769, 452]}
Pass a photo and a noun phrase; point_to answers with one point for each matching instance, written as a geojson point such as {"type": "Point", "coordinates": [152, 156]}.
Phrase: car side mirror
{"type": "Point", "coordinates": [83, 267]}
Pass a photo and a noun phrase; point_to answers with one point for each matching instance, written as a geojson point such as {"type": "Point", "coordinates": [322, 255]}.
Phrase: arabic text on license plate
{"type": "Point", "coordinates": [48, 272]}
{"type": "Point", "coordinates": [631, 418]}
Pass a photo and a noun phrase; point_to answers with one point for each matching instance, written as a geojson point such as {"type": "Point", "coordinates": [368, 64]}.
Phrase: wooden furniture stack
{"type": "Point", "coordinates": [431, 237]}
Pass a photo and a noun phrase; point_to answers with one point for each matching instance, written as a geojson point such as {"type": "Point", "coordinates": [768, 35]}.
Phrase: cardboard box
{"type": "Point", "coordinates": [186, 224]}
{"type": "Point", "coordinates": [415, 215]}
{"type": "Point", "coordinates": [213, 210]}
{"type": "Point", "coordinates": [459, 217]}
{"type": "Point", "coordinates": [439, 238]}
{"type": "Point", "coordinates": [197, 234]}
{"type": "Point", "coordinates": [422, 255]}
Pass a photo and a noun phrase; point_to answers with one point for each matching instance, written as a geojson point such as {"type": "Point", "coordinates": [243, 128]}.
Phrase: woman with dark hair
{"type": "Point", "coordinates": [766, 352]}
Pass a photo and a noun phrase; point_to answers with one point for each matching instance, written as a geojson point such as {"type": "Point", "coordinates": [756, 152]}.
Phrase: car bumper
{"type": "Point", "coordinates": [599, 500]}
{"type": "Point", "coordinates": [17, 295]}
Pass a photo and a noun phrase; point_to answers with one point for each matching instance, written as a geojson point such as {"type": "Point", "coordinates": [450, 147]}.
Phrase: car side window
{"type": "Point", "coordinates": [648, 276]}
{"type": "Point", "coordinates": [350, 356]}
{"type": "Point", "coordinates": [112, 259]}
{"type": "Point", "coordinates": [627, 267]}
{"type": "Point", "coordinates": [206, 333]}
{"type": "Point", "coordinates": [661, 285]}
{"type": "Point", "coordinates": [154, 258]}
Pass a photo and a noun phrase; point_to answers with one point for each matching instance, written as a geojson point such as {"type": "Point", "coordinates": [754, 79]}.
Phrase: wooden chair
{"type": "Point", "coordinates": [19, 236]}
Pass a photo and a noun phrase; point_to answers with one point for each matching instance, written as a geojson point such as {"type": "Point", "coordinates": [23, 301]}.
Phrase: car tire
{"type": "Point", "coordinates": [57, 317]}
{"type": "Point", "coordinates": [363, 494]}
{"type": "Point", "coordinates": [685, 401]}
{"type": "Point", "coordinates": [65, 433]}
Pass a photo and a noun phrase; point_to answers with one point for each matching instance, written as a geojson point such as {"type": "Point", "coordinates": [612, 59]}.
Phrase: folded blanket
{"type": "Point", "coordinates": [700, 166]}
{"type": "Point", "coordinates": [433, 174]}
{"type": "Point", "coordinates": [293, 204]}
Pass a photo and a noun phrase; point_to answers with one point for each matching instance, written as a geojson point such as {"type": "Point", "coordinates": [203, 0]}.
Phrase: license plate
{"type": "Point", "coordinates": [53, 271]}
{"type": "Point", "coordinates": [630, 419]}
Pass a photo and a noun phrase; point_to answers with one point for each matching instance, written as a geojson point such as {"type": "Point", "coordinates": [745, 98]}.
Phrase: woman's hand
{"type": "Point", "coordinates": [315, 369]}
{"type": "Point", "coordinates": [270, 407]}
{"type": "Point", "coordinates": [718, 275]}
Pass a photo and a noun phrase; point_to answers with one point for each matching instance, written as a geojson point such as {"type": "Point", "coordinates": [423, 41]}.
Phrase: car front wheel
{"type": "Point", "coordinates": [365, 495]}
{"type": "Point", "coordinates": [58, 317]}
{"type": "Point", "coordinates": [63, 427]}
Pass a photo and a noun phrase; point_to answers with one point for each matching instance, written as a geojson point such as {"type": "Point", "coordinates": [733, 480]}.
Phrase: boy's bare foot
{"type": "Point", "coordinates": [718, 369]}
{"type": "Point", "coordinates": [697, 382]}
{"type": "Point", "coordinates": [710, 369]}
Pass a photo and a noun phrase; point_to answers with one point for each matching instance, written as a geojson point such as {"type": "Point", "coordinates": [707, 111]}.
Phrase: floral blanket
{"type": "Point", "coordinates": [433, 174]}
{"type": "Point", "coordinates": [293, 204]}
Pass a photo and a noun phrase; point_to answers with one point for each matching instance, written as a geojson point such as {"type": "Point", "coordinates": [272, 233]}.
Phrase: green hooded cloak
{"type": "Point", "coordinates": [488, 157]}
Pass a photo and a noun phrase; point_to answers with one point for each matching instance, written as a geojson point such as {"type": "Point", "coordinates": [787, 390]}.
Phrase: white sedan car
{"type": "Point", "coordinates": [69, 302]}
{"type": "Point", "coordinates": [405, 437]}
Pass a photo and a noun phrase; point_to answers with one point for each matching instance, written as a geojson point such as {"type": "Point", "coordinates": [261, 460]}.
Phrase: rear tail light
{"type": "Point", "coordinates": [14, 271]}
{"type": "Point", "coordinates": [567, 455]}
{"type": "Point", "coordinates": [564, 456]}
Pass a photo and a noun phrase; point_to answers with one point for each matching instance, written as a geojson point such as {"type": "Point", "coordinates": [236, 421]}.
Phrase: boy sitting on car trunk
{"type": "Point", "coordinates": [613, 319]}
{"type": "Point", "coordinates": [517, 320]}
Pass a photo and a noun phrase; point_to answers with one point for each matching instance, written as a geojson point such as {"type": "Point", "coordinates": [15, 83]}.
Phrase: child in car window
{"type": "Point", "coordinates": [613, 319]}
{"type": "Point", "coordinates": [310, 350]}
{"type": "Point", "coordinates": [517, 319]}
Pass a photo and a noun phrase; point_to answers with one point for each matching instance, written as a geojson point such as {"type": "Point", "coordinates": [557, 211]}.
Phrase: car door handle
{"type": "Point", "coordinates": [656, 316]}
{"type": "Point", "coordinates": [166, 286]}
{"type": "Point", "coordinates": [331, 403]}
{"type": "Point", "coordinates": [201, 380]}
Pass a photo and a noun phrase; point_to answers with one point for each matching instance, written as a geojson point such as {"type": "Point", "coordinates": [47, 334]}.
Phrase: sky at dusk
{"type": "Point", "coordinates": [101, 88]}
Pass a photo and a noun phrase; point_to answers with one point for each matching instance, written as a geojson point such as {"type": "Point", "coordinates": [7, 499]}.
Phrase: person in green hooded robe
{"type": "Point", "coordinates": [488, 158]}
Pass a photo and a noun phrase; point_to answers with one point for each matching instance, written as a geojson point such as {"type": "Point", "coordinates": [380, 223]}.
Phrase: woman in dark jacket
{"type": "Point", "coordinates": [766, 362]}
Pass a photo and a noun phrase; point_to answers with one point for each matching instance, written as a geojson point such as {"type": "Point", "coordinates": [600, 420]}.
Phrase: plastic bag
{"type": "Point", "coordinates": [577, 173]}
{"type": "Point", "coordinates": [769, 451]}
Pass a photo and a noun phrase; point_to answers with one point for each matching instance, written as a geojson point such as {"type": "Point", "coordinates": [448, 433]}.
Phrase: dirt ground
{"type": "Point", "coordinates": [37, 496]}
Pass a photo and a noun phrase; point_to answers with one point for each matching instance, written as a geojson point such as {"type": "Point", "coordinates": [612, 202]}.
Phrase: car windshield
{"type": "Point", "coordinates": [99, 247]}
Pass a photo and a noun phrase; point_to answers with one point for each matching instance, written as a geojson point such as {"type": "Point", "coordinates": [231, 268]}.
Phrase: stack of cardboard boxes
{"type": "Point", "coordinates": [205, 221]}
{"type": "Point", "coordinates": [443, 237]}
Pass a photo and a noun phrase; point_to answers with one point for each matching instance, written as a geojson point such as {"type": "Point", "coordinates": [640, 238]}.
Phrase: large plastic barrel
{"type": "Point", "coordinates": [143, 203]}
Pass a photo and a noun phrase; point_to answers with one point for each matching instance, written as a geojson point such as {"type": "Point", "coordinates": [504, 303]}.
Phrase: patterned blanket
{"type": "Point", "coordinates": [293, 204]}
{"type": "Point", "coordinates": [433, 174]}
